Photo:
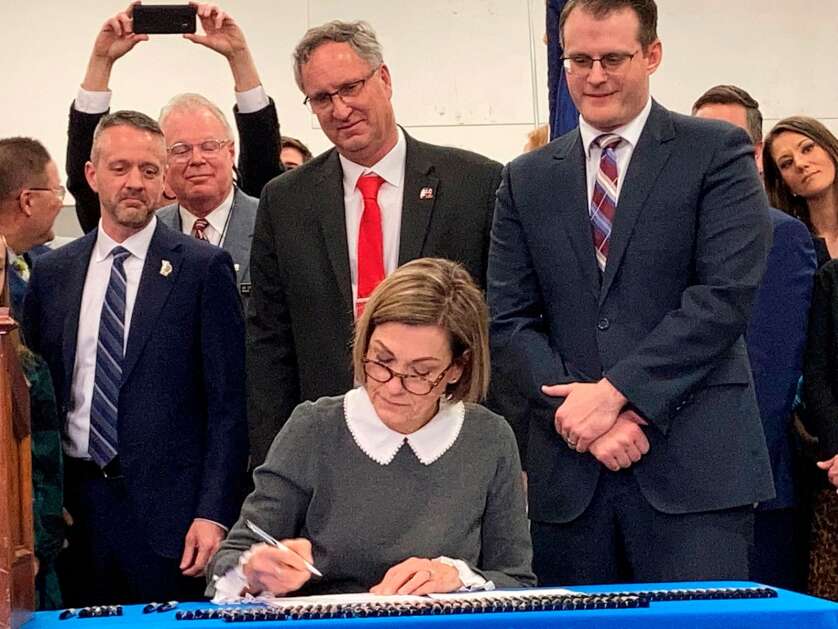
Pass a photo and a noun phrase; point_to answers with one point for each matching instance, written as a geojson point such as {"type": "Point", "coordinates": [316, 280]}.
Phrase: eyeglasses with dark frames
{"type": "Point", "coordinates": [582, 64]}
{"type": "Point", "coordinates": [412, 383]}
{"type": "Point", "coordinates": [323, 101]}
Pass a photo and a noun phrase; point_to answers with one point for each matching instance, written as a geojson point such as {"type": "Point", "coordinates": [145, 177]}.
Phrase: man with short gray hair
{"type": "Point", "coordinates": [328, 231]}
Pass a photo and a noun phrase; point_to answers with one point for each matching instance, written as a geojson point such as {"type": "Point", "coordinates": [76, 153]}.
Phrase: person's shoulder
{"type": "Point", "coordinates": [304, 175]}
{"type": "Point", "coordinates": [491, 427]}
{"type": "Point", "coordinates": [51, 258]}
{"type": "Point", "coordinates": [693, 129]}
{"type": "Point", "coordinates": [245, 203]}
{"type": "Point", "coordinates": [788, 226]}
{"type": "Point", "coordinates": [316, 419]}
{"type": "Point", "coordinates": [450, 155]}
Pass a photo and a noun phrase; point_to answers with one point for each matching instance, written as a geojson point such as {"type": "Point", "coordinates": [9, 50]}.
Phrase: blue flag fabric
{"type": "Point", "coordinates": [563, 114]}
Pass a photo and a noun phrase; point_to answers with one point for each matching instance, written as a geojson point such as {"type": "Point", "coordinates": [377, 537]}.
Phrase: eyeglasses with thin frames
{"type": "Point", "coordinates": [412, 383]}
{"type": "Point", "coordinates": [323, 101]}
{"type": "Point", "coordinates": [59, 192]}
{"type": "Point", "coordinates": [182, 151]}
{"type": "Point", "coordinates": [611, 63]}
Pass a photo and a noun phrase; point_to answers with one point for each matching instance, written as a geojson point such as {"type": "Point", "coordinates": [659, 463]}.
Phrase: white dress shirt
{"type": "Point", "coordinates": [218, 219]}
{"type": "Point", "coordinates": [95, 286]}
{"type": "Point", "coordinates": [390, 199]}
{"type": "Point", "coordinates": [630, 132]}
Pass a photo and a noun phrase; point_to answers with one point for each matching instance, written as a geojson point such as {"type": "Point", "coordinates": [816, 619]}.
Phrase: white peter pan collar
{"type": "Point", "coordinates": [381, 443]}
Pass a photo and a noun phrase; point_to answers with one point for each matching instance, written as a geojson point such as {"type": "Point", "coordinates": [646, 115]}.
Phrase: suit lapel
{"type": "Point", "coordinates": [73, 282]}
{"type": "Point", "coordinates": [420, 193]}
{"type": "Point", "coordinates": [152, 292]}
{"type": "Point", "coordinates": [648, 159]}
{"type": "Point", "coordinates": [570, 171]}
{"type": "Point", "coordinates": [238, 236]}
{"type": "Point", "coordinates": [332, 217]}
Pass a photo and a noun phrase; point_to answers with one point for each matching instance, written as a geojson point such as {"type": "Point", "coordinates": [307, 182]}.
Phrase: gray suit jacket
{"type": "Point", "coordinates": [664, 323]}
{"type": "Point", "coordinates": [300, 318]}
{"type": "Point", "coordinates": [236, 240]}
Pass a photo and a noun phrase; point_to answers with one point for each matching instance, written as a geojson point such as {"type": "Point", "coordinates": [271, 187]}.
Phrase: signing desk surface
{"type": "Point", "coordinates": [788, 609]}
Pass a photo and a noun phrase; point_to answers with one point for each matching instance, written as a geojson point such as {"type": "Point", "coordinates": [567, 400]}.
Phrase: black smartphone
{"type": "Point", "coordinates": [159, 19]}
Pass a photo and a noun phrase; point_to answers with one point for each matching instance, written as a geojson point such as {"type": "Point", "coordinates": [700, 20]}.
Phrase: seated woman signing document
{"type": "Point", "coordinates": [402, 485]}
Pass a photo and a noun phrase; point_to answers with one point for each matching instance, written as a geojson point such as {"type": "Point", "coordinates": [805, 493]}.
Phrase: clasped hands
{"type": "Point", "coordinates": [593, 418]}
{"type": "Point", "coordinates": [270, 569]}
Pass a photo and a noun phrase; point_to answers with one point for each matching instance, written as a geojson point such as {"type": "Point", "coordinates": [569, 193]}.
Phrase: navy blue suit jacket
{"type": "Point", "coordinates": [182, 425]}
{"type": "Point", "coordinates": [664, 324]}
{"type": "Point", "coordinates": [776, 338]}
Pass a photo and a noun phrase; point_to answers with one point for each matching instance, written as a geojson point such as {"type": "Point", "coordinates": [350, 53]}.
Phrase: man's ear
{"type": "Point", "coordinates": [90, 175]}
{"type": "Point", "coordinates": [24, 203]}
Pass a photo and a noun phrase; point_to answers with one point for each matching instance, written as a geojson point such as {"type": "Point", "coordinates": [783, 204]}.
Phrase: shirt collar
{"type": "Point", "coordinates": [630, 132]}
{"type": "Point", "coordinates": [390, 167]}
{"type": "Point", "coordinates": [217, 218]}
{"type": "Point", "coordinates": [137, 244]}
{"type": "Point", "coordinates": [381, 443]}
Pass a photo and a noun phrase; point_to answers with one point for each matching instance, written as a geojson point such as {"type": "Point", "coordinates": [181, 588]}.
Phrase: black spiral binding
{"type": "Point", "coordinates": [503, 602]}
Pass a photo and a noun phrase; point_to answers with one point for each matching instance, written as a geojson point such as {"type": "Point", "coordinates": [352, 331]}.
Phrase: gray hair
{"type": "Point", "coordinates": [124, 118]}
{"type": "Point", "coordinates": [195, 102]}
{"type": "Point", "coordinates": [359, 35]}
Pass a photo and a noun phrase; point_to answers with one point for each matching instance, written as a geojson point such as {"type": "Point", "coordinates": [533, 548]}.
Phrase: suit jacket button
{"type": "Point", "coordinates": [603, 324]}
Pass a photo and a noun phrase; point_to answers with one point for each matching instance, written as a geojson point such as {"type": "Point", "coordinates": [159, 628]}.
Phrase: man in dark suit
{"type": "Point", "coordinates": [775, 337]}
{"type": "Point", "coordinates": [625, 256]}
{"type": "Point", "coordinates": [311, 228]}
{"type": "Point", "coordinates": [31, 196]}
{"type": "Point", "coordinates": [255, 115]}
{"type": "Point", "coordinates": [144, 337]}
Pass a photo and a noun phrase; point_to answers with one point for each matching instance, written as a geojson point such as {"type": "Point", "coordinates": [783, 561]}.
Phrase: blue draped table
{"type": "Point", "coordinates": [789, 609]}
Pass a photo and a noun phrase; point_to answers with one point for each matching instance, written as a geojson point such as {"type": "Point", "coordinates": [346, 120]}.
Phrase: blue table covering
{"type": "Point", "coordinates": [789, 609]}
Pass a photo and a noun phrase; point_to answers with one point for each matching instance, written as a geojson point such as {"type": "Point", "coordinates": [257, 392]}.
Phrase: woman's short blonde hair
{"type": "Point", "coordinates": [433, 291]}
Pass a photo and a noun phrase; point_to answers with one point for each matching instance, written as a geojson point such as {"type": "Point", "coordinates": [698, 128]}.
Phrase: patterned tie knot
{"type": "Point", "coordinates": [198, 228]}
{"type": "Point", "coordinates": [608, 141]}
{"type": "Point", "coordinates": [369, 186]}
{"type": "Point", "coordinates": [119, 255]}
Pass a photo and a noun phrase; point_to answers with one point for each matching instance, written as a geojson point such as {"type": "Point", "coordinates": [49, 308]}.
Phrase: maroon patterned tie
{"type": "Point", "coordinates": [198, 229]}
{"type": "Point", "coordinates": [604, 197]}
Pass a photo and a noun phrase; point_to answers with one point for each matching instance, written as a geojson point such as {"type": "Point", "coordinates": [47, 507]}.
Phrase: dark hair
{"type": "Point", "coordinates": [21, 160]}
{"type": "Point", "coordinates": [286, 141]}
{"type": "Point", "coordinates": [646, 11]}
{"type": "Point", "coordinates": [124, 118]}
{"type": "Point", "coordinates": [779, 193]}
{"type": "Point", "coordinates": [733, 95]}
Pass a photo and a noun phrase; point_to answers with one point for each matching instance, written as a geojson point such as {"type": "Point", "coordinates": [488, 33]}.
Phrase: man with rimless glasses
{"type": "Point", "coordinates": [625, 257]}
{"type": "Point", "coordinates": [330, 230]}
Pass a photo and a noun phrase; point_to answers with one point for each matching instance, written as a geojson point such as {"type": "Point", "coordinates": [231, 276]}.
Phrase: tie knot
{"type": "Point", "coordinates": [369, 186]}
{"type": "Point", "coordinates": [608, 141]}
{"type": "Point", "coordinates": [201, 223]}
{"type": "Point", "coordinates": [119, 254]}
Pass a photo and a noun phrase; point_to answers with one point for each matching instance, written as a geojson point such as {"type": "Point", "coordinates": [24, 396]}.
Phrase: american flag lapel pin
{"type": "Point", "coordinates": [426, 193]}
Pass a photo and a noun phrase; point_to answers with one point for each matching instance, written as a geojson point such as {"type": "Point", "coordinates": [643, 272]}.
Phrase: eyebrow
{"type": "Point", "coordinates": [411, 362]}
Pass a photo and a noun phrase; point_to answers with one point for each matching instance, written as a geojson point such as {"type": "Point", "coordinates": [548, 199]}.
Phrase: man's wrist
{"type": "Point", "coordinates": [613, 394]}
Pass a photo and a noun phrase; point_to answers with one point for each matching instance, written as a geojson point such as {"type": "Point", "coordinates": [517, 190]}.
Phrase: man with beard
{"type": "Point", "coordinates": [143, 333]}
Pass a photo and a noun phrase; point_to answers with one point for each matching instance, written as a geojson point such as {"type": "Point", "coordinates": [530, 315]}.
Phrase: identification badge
{"type": "Point", "coordinates": [245, 287]}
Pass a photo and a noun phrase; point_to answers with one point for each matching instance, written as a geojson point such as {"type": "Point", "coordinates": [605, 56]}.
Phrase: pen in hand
{"type": "Point", "coordinates": [270, 539]}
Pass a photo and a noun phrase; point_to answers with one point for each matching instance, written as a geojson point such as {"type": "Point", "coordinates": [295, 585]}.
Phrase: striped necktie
{"type": "Point", "coordinates": [198, 229]}
{"type": "Point", "coordinates": [103, 442]}
{"type": "Point", "coordinates": [604, 198]}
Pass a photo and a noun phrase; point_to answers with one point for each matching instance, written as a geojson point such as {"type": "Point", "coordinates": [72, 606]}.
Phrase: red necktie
{"type": "Point", "coordinates": [370, 242]}
{"type": "Point", "coordinates": [198, 229]}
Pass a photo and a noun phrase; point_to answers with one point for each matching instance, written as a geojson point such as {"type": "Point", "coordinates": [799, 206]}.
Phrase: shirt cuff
{"type": "Point", "coordinates": [252, 100]}
{"type": "Point", "coordinates": [229, 588]}
{"type": "Point", "coordinates": [472, 582]}
{"type": "Point", "coordinates": [218, 524]}
{"type": "Point", "coordinates": [93, 102]}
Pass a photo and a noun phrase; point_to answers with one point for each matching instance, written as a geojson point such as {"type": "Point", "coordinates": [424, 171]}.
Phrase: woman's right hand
{"type": "Point", "coordinates": [278, 571]}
